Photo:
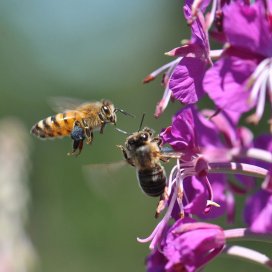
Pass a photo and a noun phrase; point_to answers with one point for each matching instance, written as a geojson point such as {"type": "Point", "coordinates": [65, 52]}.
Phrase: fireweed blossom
{"type": "Point", "coordinates": [258, 208]}
{"type": "Point", "coordinates": [219, 155]}
{"type": "Point", "coordinates": [241, 79]}
{"type": "Point", "coordinates": [183, 76]}
{"type": "Point", "coordinates": [190, 185]}
{"type": "Point", "coordinates": [188, 244]}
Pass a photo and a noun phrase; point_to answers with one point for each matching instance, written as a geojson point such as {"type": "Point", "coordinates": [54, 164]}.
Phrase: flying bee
{"type": "Point", "coordinates": [79, 121]}
{"type": "Point", "coordinates": [143, 151]}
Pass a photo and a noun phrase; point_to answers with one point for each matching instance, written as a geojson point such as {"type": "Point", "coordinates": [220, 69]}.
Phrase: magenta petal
{"type": "Point", "coordinates": [196, 196]}
{"type": "Point", "coordinates": [186, 80]}
{"type": "Point", "coordinates": [258, 212]}
{"type": "Point", "coordinates": [191, 245]}
{"type": "Point", "coordinates": [218, 183]}
{"type": "Point", "coordinates": [247, 27]}
{"type": "Point", "coordinates": [264, 142]}
{"type": "Point", "coordinates": [181, 135]}
{"type": "Point", "coordinates": [156, 262]}
{"type": "Point", "coordinates": [224, 123]}
{"type": "Point", "coordinates": [225, 83]}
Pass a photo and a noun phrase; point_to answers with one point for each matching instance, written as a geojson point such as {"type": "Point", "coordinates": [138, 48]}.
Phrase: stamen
{"type": "Point", "coordinates": [195, 7]}
{"type": "Point", "coordinates": [161, 106]}
{"type": "Point", "coordinates": [210, 201]}
{"type": "Point", "coordinates": [267, 184]}
{"type": "Point", "coordinates": [270, 82]}
{"type": "Point", "coordinates": [155, 73]}
{"type": "Point", "coordinates": [260, 68]}
{"type": "Point", "coordinates": [216, 54]}
{"type": "Point", "coordinates": [164, 220]}
{"type": "Point", "coordinates": [211, 15]}
{"type": "Point", "coordinates": [261, 100]}
{"type": "Point", "coordinates": [256, 88]}
{"type": "Point", "coordinates": [180, 199]}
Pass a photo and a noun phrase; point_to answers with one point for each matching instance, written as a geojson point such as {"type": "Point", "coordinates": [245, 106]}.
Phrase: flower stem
{"type": "Point", "coordinates": [249, 255]}
{"type": "Point", "coordinates": [247, 235]}
{"type": "Point", "coordinates": [238, 168]}
{"type": "Point", "coordinates": [254, 153]}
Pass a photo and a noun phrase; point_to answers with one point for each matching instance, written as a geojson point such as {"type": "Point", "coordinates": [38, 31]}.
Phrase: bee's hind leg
{"type": "Point", "coordinates": [78, 135]}
{"type": "Point", "coordinates": [77, 145]}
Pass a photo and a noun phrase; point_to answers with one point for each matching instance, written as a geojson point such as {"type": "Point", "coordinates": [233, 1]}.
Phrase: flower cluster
{"type": "Point", "coordinates": [219, 155]}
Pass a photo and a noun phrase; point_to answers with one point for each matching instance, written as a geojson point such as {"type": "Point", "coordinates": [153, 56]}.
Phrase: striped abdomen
{"type": "Point", "coordinates": [152, 181]}
{"type": "Point", "coordinates": [58, 125]}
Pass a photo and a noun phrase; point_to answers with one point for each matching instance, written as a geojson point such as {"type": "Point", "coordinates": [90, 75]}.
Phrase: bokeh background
{"type": "Point", "coordinates": [77, 220]}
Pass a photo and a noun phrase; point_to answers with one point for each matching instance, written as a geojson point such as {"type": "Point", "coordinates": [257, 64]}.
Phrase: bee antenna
{"type": "Point", "coordinates": [122, 131]}
{"type": "Point", "coordinates": [141, 122]}
{"type": "Point", "coordinates": [124, 112]}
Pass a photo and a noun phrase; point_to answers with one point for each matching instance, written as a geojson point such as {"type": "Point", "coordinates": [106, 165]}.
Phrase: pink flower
{"type": "Point", "coordinates": [241, 79]}
{"type": "Point", "coordinates": [188, 246]}
{"type": "Point", "coordinates": [183, 77]}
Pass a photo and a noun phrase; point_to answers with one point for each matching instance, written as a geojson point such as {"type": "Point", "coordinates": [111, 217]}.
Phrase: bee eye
{"type": "Point", "coordinates": [144, 136]}
{"type": "Point", "coordinates": [106, 110]}
{"type": "Point", "coordinates": [131, 142]}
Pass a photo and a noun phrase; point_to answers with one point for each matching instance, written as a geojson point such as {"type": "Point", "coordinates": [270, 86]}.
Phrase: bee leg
{"type": "Point", "coordinates": [157, 140]}
{"type": "Point", "coordinates": [129, 160]}
{"type": "Point", "coordinates": [78, 136]}
{"type": "Point", "coordinates": [77, 145]}
{"type": "Point", "coordinates": [103, 124]}
{"type": "Point", "coordinates": [164, 159]}
{"type": "Point", "coordinates": [89, 135]}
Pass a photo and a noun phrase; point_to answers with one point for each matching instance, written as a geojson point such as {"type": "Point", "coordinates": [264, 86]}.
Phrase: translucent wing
{"type": "Point", "coordinates": [62, 104]}
{"type": "Point", "coordinates": [100, 177]}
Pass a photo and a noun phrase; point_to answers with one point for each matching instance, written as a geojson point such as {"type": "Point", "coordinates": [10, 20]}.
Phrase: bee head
{"type": "Point", "coordinates": [107, 112]}
{"type": "Point", "coordinates": [139, 138]}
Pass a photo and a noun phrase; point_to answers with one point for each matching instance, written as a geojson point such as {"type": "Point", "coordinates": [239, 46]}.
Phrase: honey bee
{"type": "Point", "coordinates": [78, 121]}
{"type": "Point", "coordinates": [143, 151]}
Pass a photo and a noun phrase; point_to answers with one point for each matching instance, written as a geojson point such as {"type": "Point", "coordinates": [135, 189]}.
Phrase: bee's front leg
{"type": "Point", "coordinates": [127, 158]}
{"type": "Point", "coordinates": [157, 140]}
{"type": "Point", "coordinates": [103, 124]}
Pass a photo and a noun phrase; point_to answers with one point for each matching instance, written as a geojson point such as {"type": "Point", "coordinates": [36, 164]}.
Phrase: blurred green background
{"type": "Point", "coordinates": [88, 50]}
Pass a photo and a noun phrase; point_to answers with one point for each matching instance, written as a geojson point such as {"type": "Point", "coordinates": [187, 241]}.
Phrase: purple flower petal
{"type": "Point", "coordinates": [156, 262]}
{"type": "Point", "coordinates": [195, 195]}
{"type": "Point", "coordinates": [191, 245]}
{"type": "Point", "coordinates": [248, 27]}
{"type": "Point", "coordinates": [199, 33]}
{"type": "Point", "coordinates": [186, 81]}
{"type": "Point", "coordinates": [258, 212]}
{"type": "Point", "coordinates": [207, 135]}
{"type": "Point", "coordinates": [218, 183]}
{"type": "Point", "coordinates": [264, 142]}
{"type": "Point", "coordinates": [225, 82]}
{"type": "Point", "coordinates": [181, 135]}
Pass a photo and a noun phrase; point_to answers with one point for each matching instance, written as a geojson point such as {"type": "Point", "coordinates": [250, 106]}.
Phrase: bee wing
{"type": "Point", "coordinates": [62, 104]}
{"type": "Point", "coordinates": [100, 176]}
